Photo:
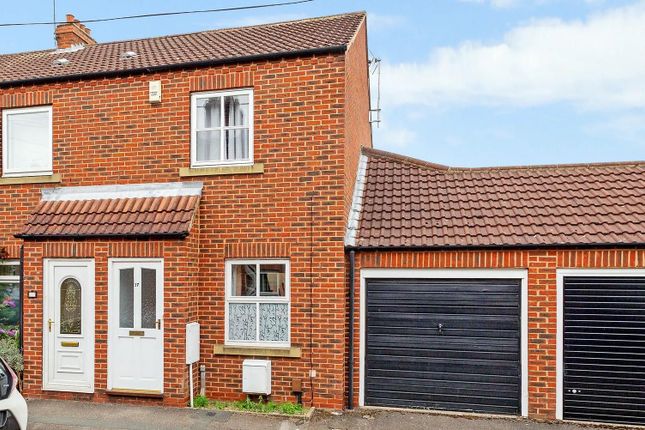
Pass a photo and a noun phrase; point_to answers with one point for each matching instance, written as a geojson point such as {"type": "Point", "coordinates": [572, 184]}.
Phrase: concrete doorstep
{"type": "Point", "coordinates": [59, 415]}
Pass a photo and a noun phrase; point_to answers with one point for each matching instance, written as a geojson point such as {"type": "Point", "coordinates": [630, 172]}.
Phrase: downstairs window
{"type": "Point", "coordinates": [10, 297]}
{"type": "Point", "coordinates": [257, 303]}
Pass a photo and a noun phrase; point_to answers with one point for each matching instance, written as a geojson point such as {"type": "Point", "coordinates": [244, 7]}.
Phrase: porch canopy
{"type": "Point", "coordinates": [137, 210]}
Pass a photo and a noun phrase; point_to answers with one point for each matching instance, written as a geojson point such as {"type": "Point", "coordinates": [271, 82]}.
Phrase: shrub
{"type": "Point", "coordinates": [200, 402]}
{"type": "Point", "coordinates": [11, 353]}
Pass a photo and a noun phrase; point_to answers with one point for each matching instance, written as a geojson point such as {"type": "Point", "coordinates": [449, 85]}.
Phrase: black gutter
{"type": "Point", "coordinates": [103, 236]}
{"type": "Point", "coordinates": [350, 358]}
{"type": "Point", "coordinates": [493, 247]}
{"type": "Point", "coordinates": [337, 49]}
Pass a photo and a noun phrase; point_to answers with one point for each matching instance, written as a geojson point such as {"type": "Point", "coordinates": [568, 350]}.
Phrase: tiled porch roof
{"type": "Point", "coordinates": [114, 211]}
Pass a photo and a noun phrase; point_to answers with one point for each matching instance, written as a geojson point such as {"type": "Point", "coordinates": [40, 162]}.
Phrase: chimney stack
{"type": "Point", "coordinates": [73, 33]}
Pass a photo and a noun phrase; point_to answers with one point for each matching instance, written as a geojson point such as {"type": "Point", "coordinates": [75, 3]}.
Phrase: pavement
{"type": "Point", "coordinates": [60, 415]}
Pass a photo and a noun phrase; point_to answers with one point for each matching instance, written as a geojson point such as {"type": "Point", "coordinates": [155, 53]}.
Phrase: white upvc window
{"type": "Point", "coordinates": [258, 308]}
{"type": "Point", "coordinates": [222, 128]}
{"type": "Point", "coordinates": [27, 141]}
{"type": "Point", "coordinates": [10, 297]}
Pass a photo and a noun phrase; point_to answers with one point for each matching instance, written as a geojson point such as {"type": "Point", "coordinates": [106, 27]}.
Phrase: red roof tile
{"type": "Point", "coordinates": [217, 45]}
{"type": "Point", "coordinates": [123, 217]}
{"type": "Point", "coordinates": [411, 203]}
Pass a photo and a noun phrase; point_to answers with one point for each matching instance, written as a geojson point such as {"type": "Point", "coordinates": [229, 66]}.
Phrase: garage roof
{"type": "Point", "coordinates": [304, 36]}
{"type": "Point", "coordinates": [405, 202]}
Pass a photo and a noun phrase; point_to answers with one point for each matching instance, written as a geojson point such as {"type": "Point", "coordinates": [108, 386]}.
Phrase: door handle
{"type": "Point", "coordinates": [49, 324]}
{"type": "Point", "coordinates": [158, 324]}
{"type": "Point", "coordinates": [440, 328]}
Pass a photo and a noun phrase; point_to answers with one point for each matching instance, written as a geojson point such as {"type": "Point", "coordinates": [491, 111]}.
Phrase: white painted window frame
{"type": "Point", "coordinates": [6, 114]}
{"type": "Point", "coordinates": [193, 128]}
{"type": "Point", "coordinates": [521, 274]}
{"type": "Point", "coordinates": [257, 299]}
{"type": "Point", "coordinates": [10, 279]}
{"type": "Point", "coordinates": [559, 367]}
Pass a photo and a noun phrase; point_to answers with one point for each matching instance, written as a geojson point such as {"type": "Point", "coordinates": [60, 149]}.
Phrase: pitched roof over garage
{"type": "Point", "coordinates": [404, 202]}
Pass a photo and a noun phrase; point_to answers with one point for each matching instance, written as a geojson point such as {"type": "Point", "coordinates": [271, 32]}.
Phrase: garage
{"type": "Point", "coordinates": [444, 343]}
{"type": "Point", "coordinates": [604, 349]}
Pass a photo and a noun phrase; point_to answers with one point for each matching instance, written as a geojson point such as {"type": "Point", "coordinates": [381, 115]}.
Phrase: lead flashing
{"type": "Point", "coordinates": [129, 191]}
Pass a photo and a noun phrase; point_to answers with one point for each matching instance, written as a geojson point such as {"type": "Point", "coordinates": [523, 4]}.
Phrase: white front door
{"type": "Point", "coordinates": [135, 314]}
{"type": "Point", "coordinates": [68, 325]}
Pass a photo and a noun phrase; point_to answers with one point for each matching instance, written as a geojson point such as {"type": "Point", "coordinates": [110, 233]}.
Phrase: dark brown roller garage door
{"type": "Point", "coordinates": [604, 349]}
{"type": "Point", "coordinates": [451, 344]}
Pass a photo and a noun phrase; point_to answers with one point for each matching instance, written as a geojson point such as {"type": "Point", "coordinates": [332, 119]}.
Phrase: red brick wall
{"type": "Point", "coordinates": [541, 265]}
{"type": "Point", "coordinates": [358, 131]}
{"type": "Point", "coordinates": [106, 132]}
{"type": "Point", "coordinates": [177, 287]}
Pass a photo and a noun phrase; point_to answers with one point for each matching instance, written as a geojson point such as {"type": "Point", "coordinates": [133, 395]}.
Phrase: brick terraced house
{"type": "Point", "coordinates": [227, 178]}
{"type": "Point", "coordinates": [204, 178]}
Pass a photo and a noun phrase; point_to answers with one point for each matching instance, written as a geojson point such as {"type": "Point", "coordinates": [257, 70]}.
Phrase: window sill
{"type": "Point", "coordinates": [292, 352]}
{"type": "Point", "coordinates": [45, 179]}
{"type": "Point", "coordinates": [256, 168]}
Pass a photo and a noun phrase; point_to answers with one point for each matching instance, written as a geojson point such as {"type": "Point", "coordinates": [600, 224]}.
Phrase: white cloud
{"type": "Point", "coordinates": [384, 22]}
{"type": "Point", "coordinates": [394, 138]}
{"type": "Point", "coordinates": [504, 4]}
{"type": "Point", "coordinates": [595, 63]}
{"type": "Point", "coordinates": [495, 3]}
{"type": "Point", "coordinates": [629, 126]}
{"type": "Point", "coordinates": [261, 19]}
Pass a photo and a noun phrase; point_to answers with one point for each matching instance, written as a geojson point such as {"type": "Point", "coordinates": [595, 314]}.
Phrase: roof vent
{"type": "Point", "coordinates": [61, 62]}
{"type": "Point", "coordinates": [128, 54]}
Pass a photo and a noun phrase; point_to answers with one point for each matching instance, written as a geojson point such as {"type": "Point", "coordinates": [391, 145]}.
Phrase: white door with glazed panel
{"type": "Point", "coordinates": [135, 314]}
{"type": "Point", "coordinates": [68, 325]}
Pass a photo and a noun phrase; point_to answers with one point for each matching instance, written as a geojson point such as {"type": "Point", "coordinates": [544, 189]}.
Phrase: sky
{"type": "Point", "coordinates": [463, 82]}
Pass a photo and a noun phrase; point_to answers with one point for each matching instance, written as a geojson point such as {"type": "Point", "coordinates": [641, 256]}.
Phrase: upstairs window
{"type": "Point", "coordinates": [27, 141]}
{"type": "Point", "coordinates": [222, 128]}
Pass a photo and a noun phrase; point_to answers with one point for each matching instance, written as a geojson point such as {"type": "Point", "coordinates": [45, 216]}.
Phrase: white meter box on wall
{"type": "Point", "coordinates": [256, 377]}
{"type": "Point", "coordinates": [192, 343]}
{"type": "Point", "coordinates": [154, 94]}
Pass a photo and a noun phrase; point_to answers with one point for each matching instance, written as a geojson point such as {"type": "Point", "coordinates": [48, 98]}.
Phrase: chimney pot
{"type": "Point", "coordinates": [71, 18]}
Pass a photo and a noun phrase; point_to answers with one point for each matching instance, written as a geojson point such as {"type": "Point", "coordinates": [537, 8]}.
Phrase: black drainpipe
{"type": "Point", "coordinates": [22, 296]}
{"type": "Point", "coordinates": [350, 384]}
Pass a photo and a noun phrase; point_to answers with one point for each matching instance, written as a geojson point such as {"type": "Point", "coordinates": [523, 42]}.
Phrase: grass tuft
{"type": "Point", "coordinates": [200, 402]}
{"type": "Point", "coordinates": [250, 405]}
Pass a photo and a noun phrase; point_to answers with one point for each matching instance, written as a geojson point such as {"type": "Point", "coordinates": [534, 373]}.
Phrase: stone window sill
{"type": "Point", "coordinates": [256, 168]}
{"type": "Point", "coordinates": [293, 352]}
{"type": "Point", "coordinates": [45, 179]}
